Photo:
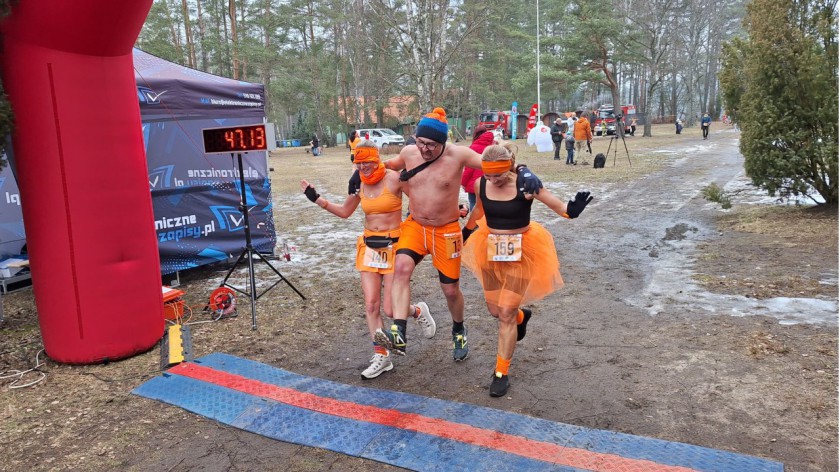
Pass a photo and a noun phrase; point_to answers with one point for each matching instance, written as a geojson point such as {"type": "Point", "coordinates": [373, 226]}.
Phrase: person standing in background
{"type": "Point", "coordinates": [570, 124]}
{"type": "Point", "coordinates": [583, 132]}
{"type": "Point", "coordinates": [705, 124]}
{"type": "Point", "coordinates": [316, 145]}
{"type": "Point", "coordinates": [481, 140]}
{"type": "Point", "coordinates": [557, 136]}
{"type": "Point", "coordinates": [570, 148]}
{"type": "Point", "coordinates": [353, 140]}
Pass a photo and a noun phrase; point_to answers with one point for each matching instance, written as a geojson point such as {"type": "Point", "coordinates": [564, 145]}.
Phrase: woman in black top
{"type": "Point", "coordinates": [513, 258]}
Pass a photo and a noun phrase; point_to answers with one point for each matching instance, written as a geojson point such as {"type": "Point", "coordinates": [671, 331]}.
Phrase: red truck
{"type": "Point", "coordinates": [606, 114]}
{"type": "Point", "coordinates": [497, 120]}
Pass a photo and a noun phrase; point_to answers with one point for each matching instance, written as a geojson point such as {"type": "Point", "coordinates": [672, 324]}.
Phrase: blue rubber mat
{"type": "Point", "coordinates": [412, 431]}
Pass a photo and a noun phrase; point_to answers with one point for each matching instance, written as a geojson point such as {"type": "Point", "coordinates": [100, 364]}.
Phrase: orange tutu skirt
{"type": "Point", "coordinates": [515, 283]}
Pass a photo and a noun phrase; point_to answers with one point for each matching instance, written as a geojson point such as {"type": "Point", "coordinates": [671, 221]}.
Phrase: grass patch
{"type": "Point", "coordinates": [713, 192]}
{"type": "Point", "coordinates": [763, 344]}
{"type": "Point", "coordinates": [816, 224]}
{"type": "Point", "coordinates": [642, 156]}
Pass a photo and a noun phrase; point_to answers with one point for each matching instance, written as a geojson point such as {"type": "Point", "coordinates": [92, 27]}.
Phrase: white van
{"type": "Point", "coordinates": [382, 136]}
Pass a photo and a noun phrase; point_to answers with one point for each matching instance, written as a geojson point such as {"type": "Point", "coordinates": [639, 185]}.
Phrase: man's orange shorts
{"type": "Point", "coordinates": [442, 242]}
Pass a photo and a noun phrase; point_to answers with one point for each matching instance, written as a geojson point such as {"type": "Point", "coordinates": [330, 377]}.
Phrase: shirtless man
{"type": "Point", "coordinates": [431, 172]}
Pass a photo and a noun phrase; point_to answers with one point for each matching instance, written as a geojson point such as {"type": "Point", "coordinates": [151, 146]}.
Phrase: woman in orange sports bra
{"type": "Point", "coordinates": [380, 196]}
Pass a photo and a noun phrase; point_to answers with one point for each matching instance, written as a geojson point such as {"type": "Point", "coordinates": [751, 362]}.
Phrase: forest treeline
{"type": "Point", "coordinates": [330, 65]}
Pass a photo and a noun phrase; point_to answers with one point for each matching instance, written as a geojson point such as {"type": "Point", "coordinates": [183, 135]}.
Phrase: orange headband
{"type": "Point", "coordinates": [366, 155]}
{"type": "Point", "coordinates": [495, 167]}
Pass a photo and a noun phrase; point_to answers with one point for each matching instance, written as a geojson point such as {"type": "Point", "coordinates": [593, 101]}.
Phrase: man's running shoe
{"type": "Point", "coordinates": [520, 328]}
{"type": "Point", "coordinates": [460, 349]}
{"type": "Point", "coordinates": [378, 363]}
{"type": "Point", "coordinates": [393, 340]}
{"type": "Point", "coordinates": [499, 386]}
{"type": "Point", "coordinates": [425, 320]}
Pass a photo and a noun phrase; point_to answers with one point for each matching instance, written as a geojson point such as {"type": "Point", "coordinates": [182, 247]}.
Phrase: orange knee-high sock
{"type": "Point", "coordinates": [502, 365]}
{"type": "Point", "coordinates": [377, 349]}
{"type": "Point", "coordinates": [520, 316]}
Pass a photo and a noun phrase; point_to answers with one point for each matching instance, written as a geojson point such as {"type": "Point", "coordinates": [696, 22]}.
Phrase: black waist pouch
{"type": "Point", "coordinates": [379, 242]}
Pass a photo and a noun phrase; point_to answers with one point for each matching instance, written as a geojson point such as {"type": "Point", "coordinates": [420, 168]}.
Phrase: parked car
{"type": "Point", "coordinates": [382, 136]}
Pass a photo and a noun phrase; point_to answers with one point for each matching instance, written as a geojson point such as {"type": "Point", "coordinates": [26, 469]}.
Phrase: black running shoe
{"type": "Point", "coordinates": [393, 340]}
{"type": "Point", "coordinates": [460, 349]}
{"type": "Point", "coordinates": [521, 327]}
{"type": "Point", "coordinates": [499, 386]}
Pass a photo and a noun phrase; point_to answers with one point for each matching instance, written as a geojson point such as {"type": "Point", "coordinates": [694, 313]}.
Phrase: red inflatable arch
{"type": "Point", "coordinates": [67, 68]}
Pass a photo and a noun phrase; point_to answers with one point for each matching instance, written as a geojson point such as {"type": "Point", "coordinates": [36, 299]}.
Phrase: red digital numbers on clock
{"type": "Point", "coordinates": [234, 139]}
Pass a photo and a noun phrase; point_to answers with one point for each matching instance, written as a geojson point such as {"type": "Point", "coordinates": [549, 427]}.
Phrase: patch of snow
{"type": "Point", "coordinates": [671, 283]}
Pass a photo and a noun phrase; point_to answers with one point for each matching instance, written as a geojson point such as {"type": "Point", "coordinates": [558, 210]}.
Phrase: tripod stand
{"type": "Point", "coordinates": [249, 252]}
{"type": "Point", "coordinates": [619, 131]}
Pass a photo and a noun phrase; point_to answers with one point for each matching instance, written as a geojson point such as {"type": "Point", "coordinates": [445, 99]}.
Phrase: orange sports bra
{"type": "Point", "coordinates": [386, 202]}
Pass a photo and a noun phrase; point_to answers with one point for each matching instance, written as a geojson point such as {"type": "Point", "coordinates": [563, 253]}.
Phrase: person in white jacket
{"type": "Point", "coordinates": [540, 136]}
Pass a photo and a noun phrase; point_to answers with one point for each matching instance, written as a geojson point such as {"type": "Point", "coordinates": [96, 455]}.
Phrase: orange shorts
{"type": "Point", "coordinates": [442, 242]}
{"type": "Point", "coordinates": [376, 259]}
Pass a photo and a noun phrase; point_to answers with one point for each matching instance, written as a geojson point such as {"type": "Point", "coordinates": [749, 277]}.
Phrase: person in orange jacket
{"type": "Point", "coordinates": [583, 133]}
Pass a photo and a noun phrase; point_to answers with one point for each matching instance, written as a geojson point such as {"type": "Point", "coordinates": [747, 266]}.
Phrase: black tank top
{"type": "Point", "coordinates": [510, 214]}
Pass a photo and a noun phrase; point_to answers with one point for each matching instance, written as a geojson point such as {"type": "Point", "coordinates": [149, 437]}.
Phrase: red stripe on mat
{"type": "Point", "coordinates": [539, 450]}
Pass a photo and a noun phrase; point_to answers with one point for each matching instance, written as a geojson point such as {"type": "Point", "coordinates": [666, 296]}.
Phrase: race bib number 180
{"type": "Point", "coordinates": [504, 247]}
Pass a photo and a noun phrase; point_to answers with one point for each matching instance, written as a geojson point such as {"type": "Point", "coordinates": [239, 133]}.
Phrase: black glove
{"type": "Point", "coordinates": [355, 184]}
{"type": "Point", "coordinates": [576, 205]}
{"type": "Point", "coordinates": [465, 233]}
{"type": "Point", "coordinates": [311, 194]}
{"type": "Point", "coordinates": [527, 181]}
{"type": "Point", "coordinates": [463, 210]}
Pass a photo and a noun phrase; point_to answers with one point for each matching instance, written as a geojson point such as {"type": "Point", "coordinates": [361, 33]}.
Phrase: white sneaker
{"type": "Point", "coordinates": [378, 363]}
{"type": "Point", "coordinates": [425, 320]}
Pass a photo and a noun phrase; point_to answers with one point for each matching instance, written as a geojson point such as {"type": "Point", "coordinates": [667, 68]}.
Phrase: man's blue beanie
{"type": "Point", "coordinates": [433, 126]}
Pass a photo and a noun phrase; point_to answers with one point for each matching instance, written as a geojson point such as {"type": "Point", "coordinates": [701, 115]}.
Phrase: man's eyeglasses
{"type": "Point", "coordinates": [426, 145]}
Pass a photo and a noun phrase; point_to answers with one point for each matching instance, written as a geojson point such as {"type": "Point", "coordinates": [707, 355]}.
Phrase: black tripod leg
{"type": "Point", "coordinates": [232, 268]}
{"type": "Point", "coordinates": [253, 288]}
{"type": "Point", "coordinates": [626, 150]}
{"type": "Point", "coordinates": [249, 250]}
{"type": "Point", "coordinates": [282, 279]}
{"type": "Point", "coordinates": [615, 152]}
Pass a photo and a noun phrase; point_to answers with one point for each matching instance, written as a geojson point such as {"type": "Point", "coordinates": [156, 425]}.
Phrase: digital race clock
{"type": "Point", "coordinates": [234, 139]}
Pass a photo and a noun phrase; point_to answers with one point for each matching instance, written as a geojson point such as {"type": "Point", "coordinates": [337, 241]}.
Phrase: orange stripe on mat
{"type": "Point", "coordinates": [539, 450]}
